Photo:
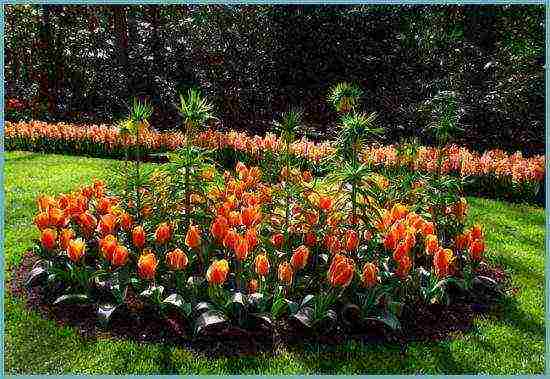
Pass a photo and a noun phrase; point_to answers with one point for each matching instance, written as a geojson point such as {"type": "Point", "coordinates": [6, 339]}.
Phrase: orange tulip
{"type": "Point", "coordinates": [370, 274]}
{"type": "Point", "coordinates": [391, 240]}
{"type": "Point", "coordinates": [250, 216]}
{"type": "Point", "coordinates": [462, 241]}
{"type": "Point", "coordinates": [341, 270]}
{"type": "Point", "coordinates": [476, 232]}
{"type": "Point", "coordinates": [163, 233]}
{"type": "Point", "coordinates": [48, 238]}
{"type": "Point", "coordinates": [87, 222]}
{"type": "Point", "coordinates": [103, 206]}
{"type": "Point", "coordinates": [400, 251]}
{"type": "Point", "coordinates": [147, 266]}
{"type": "Point", "coordinates": [107, 224]}
{"type": "Point", "coordinates": [404, 266]}
{"type": "Point", "coordinates": [234, 218]}
{"type": "Point", "coordinates": [120, 256]}
{"type": "Point", "coordinates": [299, 257]}
{"type": "Point", "coordinates": [277, 240]}
{"type": "Point", "coordinates": [325, 203]}
{"type": "Point", "coordinates": [241, 249]}
{"type": "Point", "coordinates": [76, 249]}
{"type": "Point", "coordinates": [251, 236]}
{"type": "Point", "coordinates": [352, 241]}
{"type": "Point", "coordinates": [312, 218]}
{"type": "Point", "coordinates": [107, 246]}
{"type": "Point", "coordinates": [231, 239]}
{"type": "Point", "coordinates": [219, 228]}
{"type": "Point", "coordinates": [177, 260]}
{"type": "Point", "coordinates": [428, 228]}
{"type": "Point", "coordinates": [285, 273]}
{"type": "Point", "coordinates": [45, 202]}
{"type": "Point", "coordinates": [57, 217]}
{"type": "Point", "coordinates": [42, 221]}
{"type": "Point", "coordinates": [64, 237]}
{"type": "Point", "coordinates": [398, 212]}
{"type": "Point", "coordinates": [431, 244]}
{"type": "Point", "coordinates": [138, 237]}
{"type": "Point", "coordinates": [217, 272]}
{"type": "Point", "coordinates": [253, 286]}
{"type": "Point", "coordinates": [310, 239]}
{"type": "Point", "coordinates": [193, 237]}
{"type": "Point", "coordinates": [126, 221]}
{"type": "Point", "coordinates": [476, 249]}
{"type": "Point", "coordinates": [261, 265]}
{"type": "Point", "coordinates": [441, 261]}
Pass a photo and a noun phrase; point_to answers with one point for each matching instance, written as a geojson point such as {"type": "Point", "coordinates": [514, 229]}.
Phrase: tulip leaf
{"type": "Point", "coordinates": [395, 307]}
{"type": "Point", "coordinates": [292, 306]}
{"type": "Point", "coordinates": [37, 275]}
{"type": "Point", "coordinates": [209, 319]}
{"type": "Point", "coordinates": [304, 316]}
{"type": "Point", "coordinates": [202, 307]}
{"type": "Point", "coordinates": [105, 312]}
{"type": "Point", "coordinates": [278, 307]}
{"type": "Point", "coordinates": [307, 299]}
{"type": "Point", "coordinates": [195, 281]}
{"type": "Point", "coordinates": [177, 301]}
{"type": "Point", "coordinates": [152, 290]}
{"type": "Point", "coordinates": [72, 299]}
{"type": "Point", "coordinates": [388, 319]}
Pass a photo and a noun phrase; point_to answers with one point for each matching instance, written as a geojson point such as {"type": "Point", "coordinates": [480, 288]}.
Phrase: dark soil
{"type": "Point", "coordinates": [421, 322]}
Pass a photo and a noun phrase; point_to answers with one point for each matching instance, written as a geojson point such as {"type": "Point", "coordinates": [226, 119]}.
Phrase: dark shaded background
{"type": "Point", "coordinates": [84, 63]}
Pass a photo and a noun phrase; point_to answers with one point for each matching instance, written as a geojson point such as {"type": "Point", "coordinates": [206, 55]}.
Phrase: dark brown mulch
{"type": "Point", "coordinates": [421, 322]}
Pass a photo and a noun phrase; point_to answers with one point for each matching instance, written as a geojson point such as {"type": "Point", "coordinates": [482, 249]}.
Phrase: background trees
{"type": "Point", "coordinates": [84, 63]}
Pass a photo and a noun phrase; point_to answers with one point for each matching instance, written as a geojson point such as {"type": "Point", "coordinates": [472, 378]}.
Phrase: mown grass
{"type": "Point", "coordinates": [509, 341]}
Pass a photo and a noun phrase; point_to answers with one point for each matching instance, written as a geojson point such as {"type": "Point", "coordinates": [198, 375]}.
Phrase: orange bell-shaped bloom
{"type": "Point", "coordinates": [277, 240]}
{"type": "Point", "coordinates": [370, 275]}
{"type": "Point", "coordinates": [217, 272]}
{"type": "Point", "coordinates": [391, 240]}
{"type": "Point", "coordinates": [352, 241]}
{"type": "Point", "coordinates": [177, 260]}
{"type": "Point", "coordinates": [285, 273]}
{"type": "Point", "coordinates": [76, 249]}
{"type": "Point", "coordinates": [404, 266]}
{"type": "Point", "coordinates": [138, 236]}
{"type": "Point", "coordinates": [312, 218]}
{"type": "Point", "coordinates": [107, 246]}
{"type": "Point", "coordinates": [163, 233]}
{"type": "Point", "coordinates": [120, 256]}
{"type": "Point", "coordinates": [341, 270]}
{"type": "Point", "coordinates": [234, 218]}
{"type": "Point", "coordinates": [147, 266]}
{"type": "Point", "coordinates": [193, 237]}
{"type": "Point", "coordinates": [261, 265]}
{"type": "Point", "coordinates": [48, 238]}
{"type": "Point", "coordinates": [306, 176]}
{"type": "Point", "coordinates": [398, 212]}
{"type": "Point", "coordinates": [45, 202]}
{"type": "Point", "coordinates": [462, 241]}
{"type": "Point", "coordinates": [299, 257]}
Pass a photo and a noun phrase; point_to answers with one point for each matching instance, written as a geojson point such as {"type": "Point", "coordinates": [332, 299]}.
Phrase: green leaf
{"type": "Point", "coordinates": [209, 319]}
{"type": "Point", "coordinates": [105, 313]}
{"type": "Point", "coordinates": [72, 299]}
{"type": "Point", "coordinates": [175, 300]}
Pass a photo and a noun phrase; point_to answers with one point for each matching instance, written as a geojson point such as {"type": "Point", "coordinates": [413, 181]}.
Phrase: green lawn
{"type": "Point", "coordinates": [508, 342]}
